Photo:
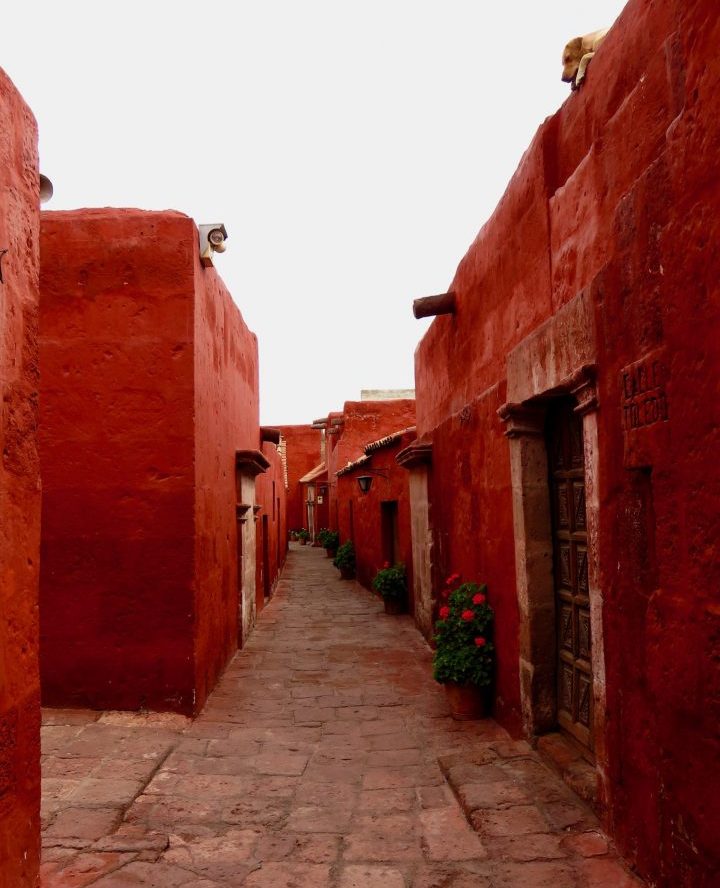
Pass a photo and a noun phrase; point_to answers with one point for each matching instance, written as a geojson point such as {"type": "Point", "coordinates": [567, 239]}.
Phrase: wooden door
{"type": "Point", "coordinates": [572, 600]}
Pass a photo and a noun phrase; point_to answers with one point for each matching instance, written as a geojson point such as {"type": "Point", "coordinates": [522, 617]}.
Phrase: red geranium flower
{"type": "Point", "coordinates": [444, 612]}
{"type": "Point", "coordinates": [468, 615]}
{"type": "Point", "coordinates": [479, 598]}
{"type": "Point", "coordinates": [480, 641]}
{"type": "Point", "coordinates": [452, 578]}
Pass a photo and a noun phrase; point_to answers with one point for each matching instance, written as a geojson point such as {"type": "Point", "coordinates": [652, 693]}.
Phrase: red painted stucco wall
{"type": "Point", "coordinates": [617, 203]}
{"type": "Point", "coordinates": [359, 424]}
{"type": "Point", "coordinates": [149, 386]}
{"type": "Point", "coordinates": [271, 525]}
{"type": "Point", "coordinates": [19, 494]}
{"type": "Point", "coordinates": [302, 454]}
{"type": "Point", "coordinates": [226, 419]}
{"type": "Point", "coordinates": [390, 485]}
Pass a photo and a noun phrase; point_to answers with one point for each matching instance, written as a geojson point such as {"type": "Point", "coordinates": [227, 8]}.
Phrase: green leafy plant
{"type": "Point", "coordinates": [391, 582]}
{"type": "Point", "coordinates": [303, 534]}
{"type": "Point", "coordinates": [345, 556]}
{"type": "Point", "coordinates": [464, 652]}
{"type": "Point", "coordinates": [329, 539]}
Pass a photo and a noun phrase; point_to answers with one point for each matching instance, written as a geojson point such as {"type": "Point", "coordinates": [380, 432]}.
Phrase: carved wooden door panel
{"type": "Point", "coordinates": [572, 601]}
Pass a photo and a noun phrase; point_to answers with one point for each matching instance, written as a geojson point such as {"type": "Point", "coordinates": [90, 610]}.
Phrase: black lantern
{"type": "Point", "coordinates": [364, 483]}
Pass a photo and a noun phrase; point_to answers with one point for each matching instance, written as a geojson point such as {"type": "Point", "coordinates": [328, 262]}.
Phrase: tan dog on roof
{"type": "Point", "coordinates": [577, 55]}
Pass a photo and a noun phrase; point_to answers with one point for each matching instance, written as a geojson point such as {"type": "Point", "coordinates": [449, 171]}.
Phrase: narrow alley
{"type": "Point", "coordinates": [325, 757]}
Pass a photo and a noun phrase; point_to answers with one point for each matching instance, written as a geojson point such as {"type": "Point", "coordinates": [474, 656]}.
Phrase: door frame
{"type": "Point", "coordinates": [557, 359]}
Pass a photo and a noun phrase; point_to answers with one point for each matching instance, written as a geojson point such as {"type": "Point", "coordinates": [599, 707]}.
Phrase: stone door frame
{"type": "Point", "coordinates": [248, 465]}
{"type": "Point", "coordinates": [417, 459]}
{"type": "Point", "coordinates": [525, 430]}
{"type": "Point", "coordinates": [557, 360]}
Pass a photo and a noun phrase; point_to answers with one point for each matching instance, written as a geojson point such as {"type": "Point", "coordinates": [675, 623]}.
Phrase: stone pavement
{"type": "Point", "coordinates": [325, 757]}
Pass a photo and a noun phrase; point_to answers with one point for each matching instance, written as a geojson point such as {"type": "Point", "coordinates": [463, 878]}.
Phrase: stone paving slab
{"type": "Point", "coordinates": [325, 757]}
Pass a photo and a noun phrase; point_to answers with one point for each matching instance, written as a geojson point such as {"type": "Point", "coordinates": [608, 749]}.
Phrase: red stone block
{"type": "Point", "coordinates": [149, 387]}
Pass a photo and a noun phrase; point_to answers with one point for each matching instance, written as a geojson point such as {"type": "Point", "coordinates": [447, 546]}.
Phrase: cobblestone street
{"type": "Point", "coordinates": [325, 757]}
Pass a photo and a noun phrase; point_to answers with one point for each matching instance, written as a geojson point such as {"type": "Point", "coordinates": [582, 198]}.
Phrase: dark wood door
{"type": "Point", "coordinates": [570, 548]}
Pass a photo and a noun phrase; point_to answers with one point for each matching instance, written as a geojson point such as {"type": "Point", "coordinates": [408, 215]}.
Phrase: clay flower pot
{"type": "Point", "coordinates": [394, 606]}
{"type": "Point", "coordinates": [467, 701]}
{"type": "Point", "coordinates": [331, 553]}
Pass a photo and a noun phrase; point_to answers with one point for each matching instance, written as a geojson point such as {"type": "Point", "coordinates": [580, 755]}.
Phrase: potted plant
{"type": "Point", "coordinates": [344, 560]}
{"type": "Point", "coordinates": [293, 536]}
{"type": "Point", "coordinates": [329, 540]}
{"type": "Point", "coordinates": [303, 536]}
{"type": "Point", "coordinates": [391, 583]}
{"type": "Point", "coordinates": [464, 654]}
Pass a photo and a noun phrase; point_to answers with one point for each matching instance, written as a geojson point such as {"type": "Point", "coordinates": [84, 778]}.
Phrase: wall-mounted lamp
{"type": "Point", "coordinates": [365, 481]}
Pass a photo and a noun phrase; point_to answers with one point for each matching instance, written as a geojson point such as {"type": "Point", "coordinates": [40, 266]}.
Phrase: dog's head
{"type": "Point", "coordinates": [572, 54]}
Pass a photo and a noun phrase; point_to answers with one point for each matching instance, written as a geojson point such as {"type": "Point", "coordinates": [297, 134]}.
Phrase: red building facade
{"type": "Point", "coordinates": [270, 518]}
{"type": "Point", "coordinates": [19, 493]}
{"type": "Point", "coordinates": [568, 414]}
{"type": "Point", "coordinates": [377, 522]}
{"type": "Point", "coordinates": [149, 446]}
{"type": "Point", "coordinates": [302, 445]}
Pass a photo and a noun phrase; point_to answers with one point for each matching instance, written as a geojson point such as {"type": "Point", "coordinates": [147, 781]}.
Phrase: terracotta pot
{"type": "Point", "coordinates": [331, 553]}
{"type": "Point", "coordinates": [347, 573]}
{"type": "Point", "coordinates": [467, 701]}
{"type": "Point", "coordinates": [394, 605]}
{"type": "Point", "coordinates": [303, 542]}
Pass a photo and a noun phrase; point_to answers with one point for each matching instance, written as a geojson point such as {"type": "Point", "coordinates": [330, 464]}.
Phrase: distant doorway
{"type": "Point", "coordinates": [240, 577]}
{"type": "Point", "coordinates": [566, 459]}
{"type": "Point", "coordinates": [265, 558]}
{"type": "Point", "coordinates": [389, 530]}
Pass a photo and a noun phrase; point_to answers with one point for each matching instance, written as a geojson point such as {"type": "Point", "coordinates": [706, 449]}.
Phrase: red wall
{"type": "Point", "coordinates": [360, 423]}
{"type": "Point", "coordinates": [226, 420]}
{"type": "Point", "coordinates": [302, 454]}
{"type": "Point", "coordinates": [149, 385]}
{"type": "Point", "coordinates": [617, 197]}
{"type": "Point", "coordinates": [19, 494]}
{"type": "Point", "coordinates": [367, 512]}
{"type": "Point", "coordinates": [272, 498]}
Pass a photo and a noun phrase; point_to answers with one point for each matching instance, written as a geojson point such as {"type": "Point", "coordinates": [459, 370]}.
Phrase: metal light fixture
{"type": "Point", "coordinates": [365, 481]}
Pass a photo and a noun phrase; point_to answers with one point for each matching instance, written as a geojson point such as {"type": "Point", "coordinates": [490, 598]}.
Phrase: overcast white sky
{"type": "Point", "coordinates": [353, 150]}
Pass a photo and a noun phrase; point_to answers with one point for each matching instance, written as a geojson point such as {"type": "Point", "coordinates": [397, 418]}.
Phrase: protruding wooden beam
{"type": "Point", "coordinates": [429, 306]}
